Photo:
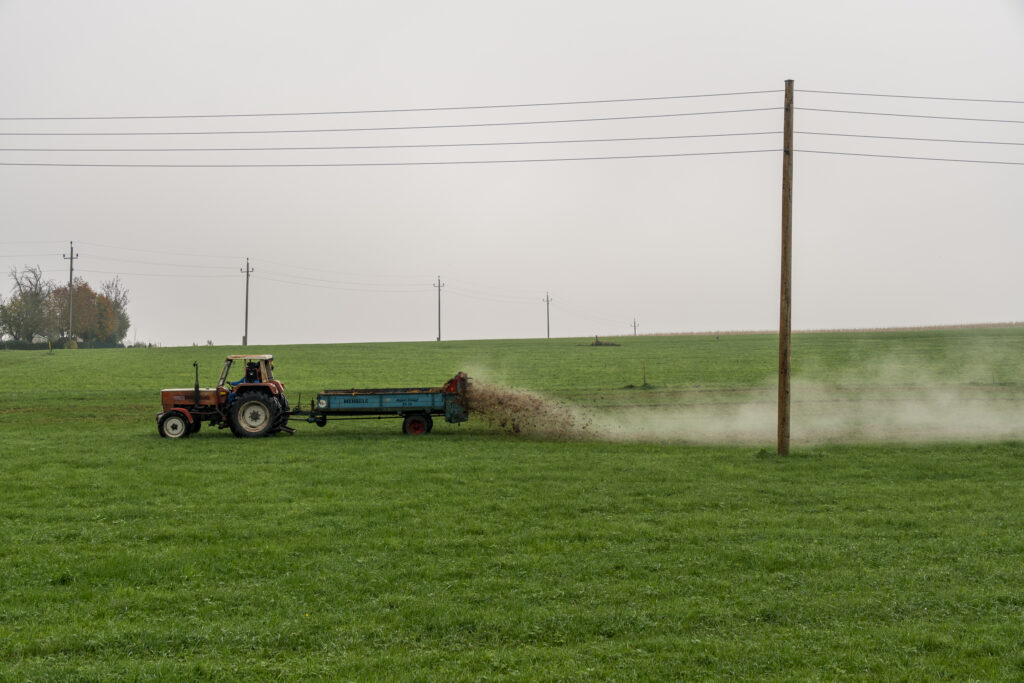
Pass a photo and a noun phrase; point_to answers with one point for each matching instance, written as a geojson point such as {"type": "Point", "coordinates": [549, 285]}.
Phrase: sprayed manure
{"type": "Point", "coordinates": [521, 412]}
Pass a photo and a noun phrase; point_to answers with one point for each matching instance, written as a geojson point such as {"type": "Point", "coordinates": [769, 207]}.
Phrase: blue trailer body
{"type": "Point", "coordinates": [448, 401]}
{"type": "Point", "coordinates": [390, 401]}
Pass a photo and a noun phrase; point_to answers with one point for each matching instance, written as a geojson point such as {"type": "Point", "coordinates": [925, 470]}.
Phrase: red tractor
{"type": "Point", "coordinates": [252, 406]}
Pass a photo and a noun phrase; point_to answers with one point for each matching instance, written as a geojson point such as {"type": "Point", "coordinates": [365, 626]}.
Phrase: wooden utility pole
{"type": "Point", "coordinates": [440, 286]}
{"type": "Point", "coordinates": [786, 291]}
{"type": "Point", "coordinates": [71, 288]}
{"type": "Point", "coordinates": [634, 326]}
{"type": "Point", "coordinates": [247, 271]}
{"type": "Point", "coordinates": [547, 300]}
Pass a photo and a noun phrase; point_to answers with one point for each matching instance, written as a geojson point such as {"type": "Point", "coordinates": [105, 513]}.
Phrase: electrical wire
{"type": "Point", "coordinates": [384, 111]}
{"type": "Point", "coordinates": [404, 286]}
{"type": "Point", "coordinates": [521, 294]}
{"type": "Point", "coordinates": [894, 137]}
{"type": "Point", "coordinates": [326, 147]}
{"type": "Point", "coordinates": [581, 312]}
{"type": "Point", "coordinates": [150, 263]}
{"type": "Point", "coordinates": [340, 289]}
{"type": "Point", "coordinates": [912, 97]}
{"type": "Point", "coordinates": [911, 116]}
{"type": "Point", "coordinates": [174, 275]}
{"type": "Point", "coordinates": [895, 156]}
{"type": "Point", "coordinates": [420, 127]}
{"type": "Point", "coordinates": [332, 270]}
{"type": "Point", "coordinates": [397, 163]}
{"type": "Point", "coordinates": [153, 251]}
{"type": "Point", "coordinates": [484, 297]}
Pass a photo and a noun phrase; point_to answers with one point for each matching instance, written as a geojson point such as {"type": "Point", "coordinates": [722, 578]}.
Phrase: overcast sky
{"type": "Point", "coordinates": [679, 243]}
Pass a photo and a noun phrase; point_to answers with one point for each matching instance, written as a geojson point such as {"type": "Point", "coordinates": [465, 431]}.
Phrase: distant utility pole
{"type": "Point", "coordinates": [547, 300]}
{"type": "Point", "coordinates": [786, 290]}
{"type": "Point", "coordinates": [71, 287]}
{"type": "Point", "coordinates": [635, 325]}
{"type": "Point", "coordinates": [440, 286]}
{"type": "Point", "coordinates": [248, 271]}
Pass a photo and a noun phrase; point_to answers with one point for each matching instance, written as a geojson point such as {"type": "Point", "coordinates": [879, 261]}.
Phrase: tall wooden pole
{"type": "Point", "coordinates": [786, 292]}
{"type": "Point", "coordinates": [71, 290]}
{"type": "Point", "coordinates": [440, 286]}
{"type": "Point", "coordinates": [247, 271]}
{"type": "Point", "coordinates": [547, 300]}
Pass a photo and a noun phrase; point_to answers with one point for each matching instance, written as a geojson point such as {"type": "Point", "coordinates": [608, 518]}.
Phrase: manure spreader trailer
{"type": "Point", "coordinates": [255, 405]}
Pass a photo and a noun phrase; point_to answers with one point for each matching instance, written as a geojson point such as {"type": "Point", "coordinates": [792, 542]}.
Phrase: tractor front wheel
{"type": "Point", "coordinates": [174, 425]}
{"type": "Point", "coordinates": [253, 414]}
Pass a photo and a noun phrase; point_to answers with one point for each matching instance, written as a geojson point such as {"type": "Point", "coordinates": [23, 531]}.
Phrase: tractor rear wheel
{"type": "Point", "coordinates": [416, 424]}
{"type": "Point", "coordinates": [175, 425]}
{"type": "Point", "coordinates": [282, 415]}
{"type": "Point", "coordinates": [253, 414]}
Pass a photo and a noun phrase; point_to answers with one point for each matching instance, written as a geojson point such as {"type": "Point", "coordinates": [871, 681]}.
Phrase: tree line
{"type": "Point", "coordinates": [37, 310]}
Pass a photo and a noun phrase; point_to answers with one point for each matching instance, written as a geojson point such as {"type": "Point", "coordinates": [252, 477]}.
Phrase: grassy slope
{"type": "Point", "coordinates": [354, 552]}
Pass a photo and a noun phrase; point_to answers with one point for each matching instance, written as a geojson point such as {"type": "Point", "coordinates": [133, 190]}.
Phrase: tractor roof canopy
{"type": "Point", "coordinates": [252, 356]}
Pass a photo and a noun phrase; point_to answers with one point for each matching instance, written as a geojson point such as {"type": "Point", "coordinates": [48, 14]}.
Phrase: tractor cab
{"type": "Point", "coordinates": [255, 370]}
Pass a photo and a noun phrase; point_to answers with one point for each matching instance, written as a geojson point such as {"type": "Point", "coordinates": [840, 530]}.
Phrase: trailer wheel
{"type": "Point", "coordinates": [253, 414]}
{"type": "Point", "coordinates": [416, 424]}
{"type": "Point", "coordinates": [321, 421]}
{"type": "Point", "coordinates": [174, 425]}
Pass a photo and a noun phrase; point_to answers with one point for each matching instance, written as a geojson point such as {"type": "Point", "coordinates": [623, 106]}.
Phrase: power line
{"type": "Point", "coordinates": [335, 270]}
{"type": "Point", "coordinates": [327, 147]}
{"type": "Point", "coordinates": [383, 111]}
{"type": "Point", "coordinates": [487, 297]}
{"type": "Point", "coordinates": [911, 116]}
{"type": "Point", "coordinates": [420, 127]}
{"type": "Point", "coordinates": [156, 251]}
{"type": "Point", "coordinates": [478, 287]}
{"type": "Point", "coordinates": [493, 144]}
{"type": "Point", "coordinates": [174, 275]}
{"type": "Point", "coordinates": [340, 289]}
{"type": "Point", "coordinates": [912, 97]}
{"type": "Point", "coordinates": [154, 263]}
{"type": "Point", "coordinates": [894, 137]}
{"type": "Point", "coordinates": [397, 163]}
{"type": "Point", "coordinates": [405, 285]}
{"type": "Point", "coordinates": [894, 156]}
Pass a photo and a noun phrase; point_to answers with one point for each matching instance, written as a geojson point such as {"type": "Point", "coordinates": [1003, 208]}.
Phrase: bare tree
{"type": "Point", "coordinates": [116, 294]}
{"type": "Point", "coordinates": [25, 315]}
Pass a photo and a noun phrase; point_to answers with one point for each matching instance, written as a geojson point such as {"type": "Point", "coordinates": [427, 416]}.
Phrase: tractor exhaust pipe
{"type": "Point", "coordinates": [195, 364]}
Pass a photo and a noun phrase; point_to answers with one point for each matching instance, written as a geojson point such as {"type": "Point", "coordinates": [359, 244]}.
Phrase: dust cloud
{"type": "Point", "coordinates": [923, 410]}
{"type": "Point", "coordinates": [822, 414]}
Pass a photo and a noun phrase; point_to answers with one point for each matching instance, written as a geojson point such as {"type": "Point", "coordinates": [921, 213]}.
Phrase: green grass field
{"type": "Point", "coordinates": [674, 546]}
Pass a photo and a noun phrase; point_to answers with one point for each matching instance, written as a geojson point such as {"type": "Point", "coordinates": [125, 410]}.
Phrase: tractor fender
{"type": "Point", "coordinates": [188, 415]}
